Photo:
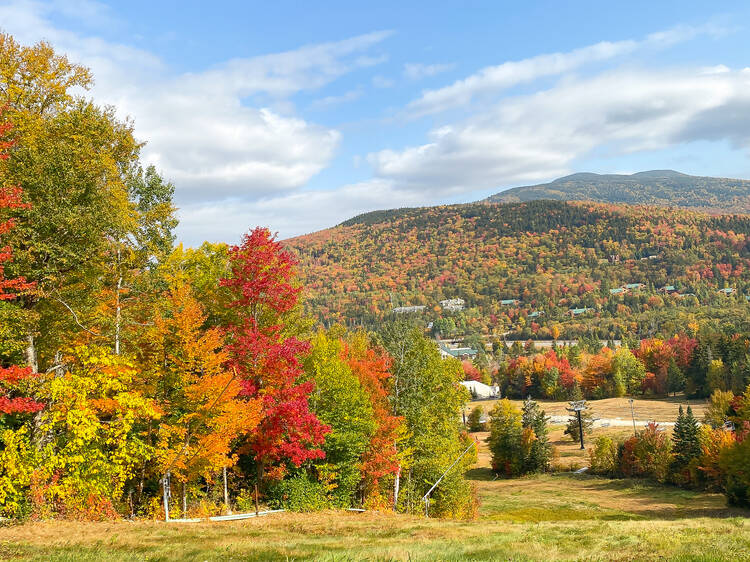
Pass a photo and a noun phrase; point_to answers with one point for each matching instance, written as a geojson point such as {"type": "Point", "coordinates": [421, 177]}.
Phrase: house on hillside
{"type": "Point", "coordinates": [509, 302]}
{"type": "Point", "coordinates": [481, 390]}
{"type": "Point", "coordinates": [635, 286]}
{"type": "Point", "coordinates": [579, 311]}
{"type": "Point", "coordinates": [727, 291]}
{"type": "Point", "coordinates": [457, 352]}
{"type": "Point", "coordinates": [408, 309]}
{"type": "Point", "coordinates": [667, 289]}
{"type": "Point", "coordinates": [618, 291]}
{"type": "Point", "coordinates": [452, 304]}
{"type": "Point", "coordinates": [536, 314]}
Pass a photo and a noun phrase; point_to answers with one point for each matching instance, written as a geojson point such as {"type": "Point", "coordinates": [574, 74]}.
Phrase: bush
{"type": "Point", "coordinates": [603, 458]}
{"type": "Point", "coordinates": [474, 420]}
{"type": "Point", "coordinates": [735, 463]}
{"type": "Point", "coordinates": [647, 455]}
{"type": "Point", "coordinates": [298, 493]}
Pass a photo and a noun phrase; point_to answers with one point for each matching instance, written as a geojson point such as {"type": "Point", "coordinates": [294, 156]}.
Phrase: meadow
{"type": "Point", "coordinates": [561, 516]}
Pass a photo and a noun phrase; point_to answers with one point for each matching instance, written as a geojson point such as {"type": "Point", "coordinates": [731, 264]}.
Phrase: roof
{"type": "Point", "coordinates": [508, 301]}
{"type": "Point", "coordinates": [617, 291]}
{"type": "Point", "coordinates": [727, 290]}
{"type": "Point", "coordinates": [457, 351]}
{"type": "Point", "coordinates": [536, 313]}
{"type": "Point", "coordinates": [579, 310]}
{"type": "Point", "coordinates": [634, 285]}
{"type": "Point", "coordinates": [668, 288]}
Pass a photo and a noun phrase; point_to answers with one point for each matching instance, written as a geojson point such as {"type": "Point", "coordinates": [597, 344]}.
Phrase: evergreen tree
{"type": "Point", "coordinates": [675, 378]}
{"type": "Point", "coordinates": [537, 457]}
{"type": "Point", "coordinates": [686, 444]}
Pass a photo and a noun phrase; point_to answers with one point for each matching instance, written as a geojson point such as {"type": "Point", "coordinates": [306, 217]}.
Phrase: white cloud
{"type": "Point", "coordinates": [292, 214]}
{"type": "Point", "coordinates": [332, 101]}
{"type": "Point", "coordinates": [200, 128]}
{"type": "Point", "coordinates": [417, 71]}
{"type": "Point", "coordinates": [493, 79]}
{"type": "Point", "coordinates": [540, 135]}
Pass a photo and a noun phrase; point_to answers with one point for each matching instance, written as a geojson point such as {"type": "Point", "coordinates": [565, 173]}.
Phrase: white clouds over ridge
{"type": "Point", "coordinates": [240, 154]}
{"type": "Point", "coordinates": [538, 136]}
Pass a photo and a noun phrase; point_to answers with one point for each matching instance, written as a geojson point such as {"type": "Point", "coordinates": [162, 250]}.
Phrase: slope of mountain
{"type": "Point", "coordinates": [532, 268]}
{"type": "Point", "coordinates": [656, 187]}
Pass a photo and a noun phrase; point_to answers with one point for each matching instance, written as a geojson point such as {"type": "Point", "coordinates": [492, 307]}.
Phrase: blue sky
{"type": "Point", "coordinates": [298, 115]}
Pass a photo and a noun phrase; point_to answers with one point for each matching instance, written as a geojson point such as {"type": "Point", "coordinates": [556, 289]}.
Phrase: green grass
{"type": "Point", "coordinates": [561, 517]}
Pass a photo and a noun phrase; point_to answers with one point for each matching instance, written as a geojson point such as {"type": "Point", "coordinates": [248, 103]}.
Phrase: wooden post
{"type": "Point", "coordinates": [580, 428]}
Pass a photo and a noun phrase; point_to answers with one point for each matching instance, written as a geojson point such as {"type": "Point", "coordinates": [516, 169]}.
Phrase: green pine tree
{"type": "Point", "coordinates": [538, 457]}
{"type": "Point", "coordinates": [675, 378]}
{"type": "Point", "coordinates": [686, 445]}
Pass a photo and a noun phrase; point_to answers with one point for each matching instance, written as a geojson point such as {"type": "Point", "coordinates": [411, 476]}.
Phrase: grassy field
{"type": "Point", "coordinates": [549, 517]}
{"type": "Point", "coordinates": [662, 409]}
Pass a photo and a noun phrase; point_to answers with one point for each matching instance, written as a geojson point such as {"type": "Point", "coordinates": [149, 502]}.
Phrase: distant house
{"type": "Point", "coordinates": [408, 309]}
{"type": "Point", "coordinates": [481, 390]}
{"type": "Point", "coordinates": [509, 302]}
{"type": "Point", "coordinates": [536, 314]}
{"type": "Point", "coordinates": [618, 291]}
{"type": "Point", "coordinates": [452, 304]}
{"type": "Point", "coordinates": [457, 352]}
{"type": "Point", "coordinates": [727, 291]}
{"type": "Point", "coordinates": [634, 286]}
{"type": "Point", "coordinates": [579, 311]}
{"type": "Point", "coordinates": [667, 289]}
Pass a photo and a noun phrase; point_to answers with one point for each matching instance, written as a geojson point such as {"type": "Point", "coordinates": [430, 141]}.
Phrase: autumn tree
{"type": "Point", "coordinates": [186, 371]}
{"type": "Point", "coordinates": [266, 354]}
{"type": "Point", "coordinates": [12, 377]}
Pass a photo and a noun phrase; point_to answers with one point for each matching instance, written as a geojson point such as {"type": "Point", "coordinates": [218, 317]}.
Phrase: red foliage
{"type": "Point", "coordinates": [471, 373]}
{"type": "Point", "coordinates": [372, 368]}
{"type": "Point", "coordinates": [262, 282]}
{"type": "Point", "coordinates": [10, 377]}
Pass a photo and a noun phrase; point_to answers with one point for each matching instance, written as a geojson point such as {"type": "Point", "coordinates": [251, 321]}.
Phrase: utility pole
{"type": "Point", "coordinates": [578, 406]}
{"type": "Point", "coordinates": [632, 414]}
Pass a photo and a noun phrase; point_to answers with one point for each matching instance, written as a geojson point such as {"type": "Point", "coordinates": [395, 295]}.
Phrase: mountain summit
{"type": "Point", "coordinates": [654, 187]}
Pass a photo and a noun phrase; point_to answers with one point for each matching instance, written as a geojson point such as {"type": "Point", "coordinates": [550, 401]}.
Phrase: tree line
{"type": "Point", "coordinates": [140, 378]}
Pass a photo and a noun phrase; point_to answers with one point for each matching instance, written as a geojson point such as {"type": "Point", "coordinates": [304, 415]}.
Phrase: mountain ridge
{"type": "Point", "coordinates": [668, 188]}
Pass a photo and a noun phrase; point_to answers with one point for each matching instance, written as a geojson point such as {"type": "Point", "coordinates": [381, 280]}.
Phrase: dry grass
{"type": "Point", "coordinates": [549, 517]}
{"type": "Point", "coordinates": [661, 409]}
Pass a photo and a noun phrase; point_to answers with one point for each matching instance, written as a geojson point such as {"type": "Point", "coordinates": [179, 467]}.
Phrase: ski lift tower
{"type": "Point", "coordinates": [578, 406]}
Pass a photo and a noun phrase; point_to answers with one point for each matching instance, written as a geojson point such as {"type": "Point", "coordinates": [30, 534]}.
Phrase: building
{"type": "Point", "coordinates": [407, 309]}
{"type": "Point", "coordinates": [666, 289]}
{"type": "Point", "coordinates": [618, 291]}
{"type": "Point", "coordinates": [579, 311]}
{"type": "Point", "coordinates": [509, 302]}
{"type": "Point", "coordinates": [452, 304]}
{"type": "Point", "coordinates": [727, 291]}
{"type": "Point", "coordinates": [536, 314]}
{"type": "Point", "coordinates": [635, 286]}
{"type": "Point", "coordinates": [457, 352]}
{"type": "Point", "coordinates": [481, 390]}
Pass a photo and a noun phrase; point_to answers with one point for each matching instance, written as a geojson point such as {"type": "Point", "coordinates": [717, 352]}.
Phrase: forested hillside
{"type": "Point", "coordinates": [656, 187]}
{"type": "Point", "coordinates": [562, 268]}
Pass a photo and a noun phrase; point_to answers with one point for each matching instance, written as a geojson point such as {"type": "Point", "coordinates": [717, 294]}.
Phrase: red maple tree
{"type": "Point", "coordinates": [266, 358]}
{"type": "Point", "coordinates": [12, 376]}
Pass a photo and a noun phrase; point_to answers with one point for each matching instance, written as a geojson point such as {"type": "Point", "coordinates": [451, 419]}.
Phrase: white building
{"type": "Point", "coordinates": [481, 390]}
{"type": "Point", "coordinates": [453, 304]}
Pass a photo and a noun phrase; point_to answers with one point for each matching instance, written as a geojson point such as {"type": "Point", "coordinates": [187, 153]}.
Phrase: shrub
{"type": "Point", "coordinates": [603, 458]}
{"type": "Point", "coordinates": [647, 455]}
{"type": "Point", "coordinates": [505, 438]}
{"type": "Point", "coordinates": [735, 462]}
{"type": "Point", "coordinates": [298, 493]}
{"type": "Point", "coordinates": [474, 420]}
{"type": "Point", "coordinates": [718, 409]}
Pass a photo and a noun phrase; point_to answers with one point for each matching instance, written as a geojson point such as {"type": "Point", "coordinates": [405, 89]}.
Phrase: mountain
{"type": "Point", "coordinates": [557, 265]}
{"type": "Point", "coordinates": [655, 187]}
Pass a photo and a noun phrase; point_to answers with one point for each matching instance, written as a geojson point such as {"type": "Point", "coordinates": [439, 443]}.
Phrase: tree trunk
{"type": "Point", "coordinates": [165, 488]}
{"type": "Point", "coordinates": [184, 499]}
{"type": "Point", "coordinates": [226, 492]}
{"type": "Point", "coordinates": [396, 486]}
{"type": "Point", "coordinates": [31, 358]}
